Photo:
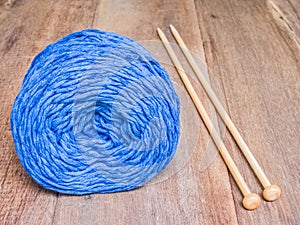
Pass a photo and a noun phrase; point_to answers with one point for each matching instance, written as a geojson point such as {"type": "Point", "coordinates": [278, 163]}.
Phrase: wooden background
{"type": "Point", "coordinates": [251, 49]}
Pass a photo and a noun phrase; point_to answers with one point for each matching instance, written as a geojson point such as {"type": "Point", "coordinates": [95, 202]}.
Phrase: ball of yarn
{"type": "Point", "coordinates": [96, 114]}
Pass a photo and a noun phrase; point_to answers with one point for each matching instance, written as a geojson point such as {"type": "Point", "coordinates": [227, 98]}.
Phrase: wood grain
{"type": "Point", "coordinates": [260, 75]}
{"type": "Point", "coordinates": [253, 57]}
{"type": "Point", "coordinates": [26, 28]}
{"type": "Point", "coordinates": [287, 21]}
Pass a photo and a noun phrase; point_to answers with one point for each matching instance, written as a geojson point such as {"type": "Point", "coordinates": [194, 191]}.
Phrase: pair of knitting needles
{"type": "Point", "coordinates": [251, 200]}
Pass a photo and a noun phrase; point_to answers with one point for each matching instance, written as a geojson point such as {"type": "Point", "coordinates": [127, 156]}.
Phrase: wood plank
{"type": "Point", "coordinates": [251, 52]}
{"type": "Point", "coordinates": [27, 27]}
{"type": "Point", "coordinates": [286, 16]}
{"type": "Point", "coordinates": [260, 73]}
{"type": "Point", "coordinates": [188, 197]}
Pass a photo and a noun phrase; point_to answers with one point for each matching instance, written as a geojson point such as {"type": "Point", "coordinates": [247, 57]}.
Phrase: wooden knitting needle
{"type": "Point", "coordinates": [251, 200]}
{"type": "Point", "coordinates": [271, 192]}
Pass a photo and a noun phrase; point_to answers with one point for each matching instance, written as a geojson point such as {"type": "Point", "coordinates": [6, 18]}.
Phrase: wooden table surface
{"type": "Point", "coordinates": [252, 51]}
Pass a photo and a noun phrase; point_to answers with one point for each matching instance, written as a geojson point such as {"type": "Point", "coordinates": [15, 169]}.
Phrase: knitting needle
{"type": "Point", "coordinates": [251, 200]}
{"type": "Point", "coordinates": [271, 192]}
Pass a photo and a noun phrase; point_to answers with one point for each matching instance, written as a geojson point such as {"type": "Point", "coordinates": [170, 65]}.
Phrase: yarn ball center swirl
{"type": "Point", "coordinates": [96, 114]}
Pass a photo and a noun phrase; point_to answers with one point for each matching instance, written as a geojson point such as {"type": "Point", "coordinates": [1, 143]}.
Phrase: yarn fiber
{"type": "Point", "coordinates": [96, 114]}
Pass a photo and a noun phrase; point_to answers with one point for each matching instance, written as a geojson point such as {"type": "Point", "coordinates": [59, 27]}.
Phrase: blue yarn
{"type": "Point", "coordinates": [96, 114]}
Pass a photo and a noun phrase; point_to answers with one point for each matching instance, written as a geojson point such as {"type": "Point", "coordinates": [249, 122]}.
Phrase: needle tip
{"type": "Point", "coordinates": [161, 34]}
{"type": "Point", "coordinates": [173, 29]}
